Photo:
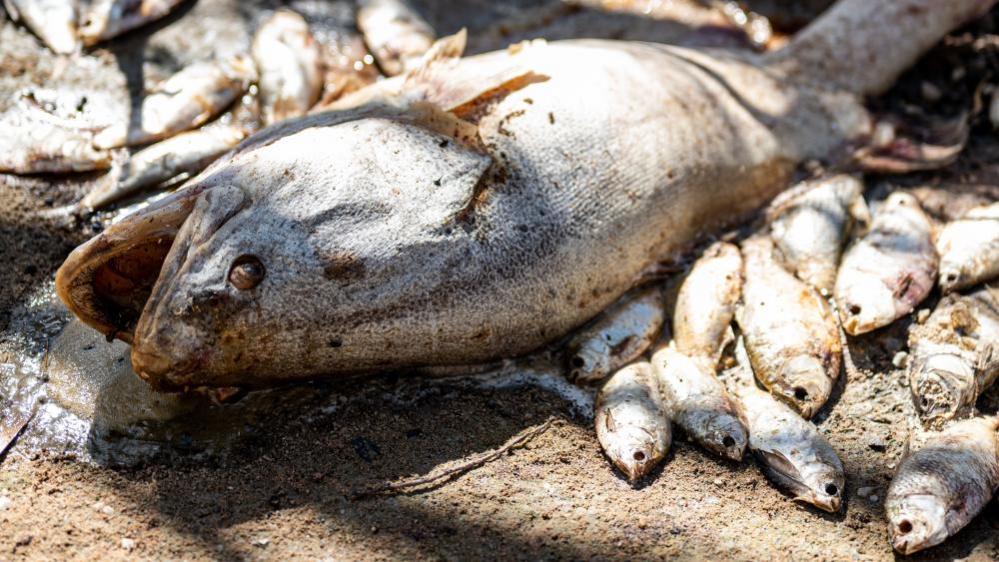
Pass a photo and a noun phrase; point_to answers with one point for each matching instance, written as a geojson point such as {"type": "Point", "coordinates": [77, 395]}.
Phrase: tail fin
{"type": "Point", "coordinates": [863, 46]}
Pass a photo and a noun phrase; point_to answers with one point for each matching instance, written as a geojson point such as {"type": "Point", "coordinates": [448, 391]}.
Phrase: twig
{"type": "Point", "coordinates": [8, 435]}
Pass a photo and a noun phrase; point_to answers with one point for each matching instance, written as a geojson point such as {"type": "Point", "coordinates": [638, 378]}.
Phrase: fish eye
{"type": "Point", "coordinates": [246, 272]}
{"type": "Point", "coordinates": [832, 489]}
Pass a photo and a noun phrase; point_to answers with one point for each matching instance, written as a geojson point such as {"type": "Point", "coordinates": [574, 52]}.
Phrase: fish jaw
{"type": "Point", "coordinates": [813, 483]}
{"type": "Point", "coordinates": [865, 305]}
{"type": "Point", "coordinates": [953, 277]}
{"type": "Point", "coordinates": [634, 451]}
{"type": "Point", "coordinates": [942, 386]}
{"type": "Point", "coordinates": [805, 385]}
{"type": "Point", "coordinates": [589, 362]}
{"type": "Point", "coordinates": [724, 435]}
{"type": "Point", "coordinates": [917, 522]}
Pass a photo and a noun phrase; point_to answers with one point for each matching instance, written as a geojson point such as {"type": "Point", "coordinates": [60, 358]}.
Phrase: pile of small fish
{"type": "Point", "coordinates": [774, 307]}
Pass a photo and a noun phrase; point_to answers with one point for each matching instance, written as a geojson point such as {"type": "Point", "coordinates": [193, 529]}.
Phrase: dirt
{"type": "Point", "coordinates": [284, 481]}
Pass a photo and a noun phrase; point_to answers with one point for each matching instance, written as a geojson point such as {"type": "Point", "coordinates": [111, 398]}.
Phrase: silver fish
{"type": "Point", "coordinates": [954, 355]}
{"type": "Point", "coordinates": [810, 223]}
{"type": "Point", "coordinates": [631, 424]}
{"type": "Point", "coordinates": [396, 35]}
{"type": "Point", "coordinates": [969, 249]}
{"type": "Point", "coordinates": [889, 271]}
{"type": "Point", "coordinates": [289, 61]}
{"type": "Point", "coordinates": [53, 21]}
{"type": "Point", "coordinates": [183, 101]}
{"type": "Point", "coordinates": [184, 154]}
{"type": "Point", "coordinates": [698, 402]}
{"type": "Point", "coordinates": [35, 141]}
{"type": "Point", "coordinates": [706, 302]}
{"type": "Point", "coordinates": [106, 19]}
{"type": "Point", "coordinates": [939, 488]}
{"type": "Point", "coordinates": [790, 332]}
{"type": "Point", "coordinates": [617, 338]}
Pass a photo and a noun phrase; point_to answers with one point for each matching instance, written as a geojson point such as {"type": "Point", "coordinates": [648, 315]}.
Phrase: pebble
{"type": "Point", "coordinates": [128, 544]}
{"type": "Point", "coordinates": [900, 360]}
{"type": "Point", "coordinates": [5, 503]}
{"type": "Point", "coordinates": [865, 491]}
{"type": "Point", "coordinates": [922, 315]}
{"type": "Point", "coordinates": [261, 542]}
{"type": "Point", "coordinates": [718, 482]}
{"type": "Point", "coordinates": [874, 499]}
{"type": "Point", "coordinates": [877, 443]}
{"type": "Point", "coordinates": [930, 91]}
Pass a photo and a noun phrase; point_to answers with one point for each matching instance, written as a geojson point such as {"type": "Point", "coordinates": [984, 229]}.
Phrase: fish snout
{"type": "Point", "coordinates": [808, 384]}
{"type": "Point", "coordinates": [917, 522]}
{"type": "Point", "coordinates": [166, 371]}
{"type": "Point", "coordinates": [951, 278]}
{"type": "Point", "coordinates": [730, 438]}
{"type": "Point", "coordinates": [866, 306]}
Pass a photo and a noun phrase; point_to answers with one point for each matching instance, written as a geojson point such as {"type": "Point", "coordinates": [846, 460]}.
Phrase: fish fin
{"type": "Point", "coordinates": [450, 47]}
{"type": "Point", "coordinates": [905, 153]}
{"type": "Point", "coordinates": [12, 10]}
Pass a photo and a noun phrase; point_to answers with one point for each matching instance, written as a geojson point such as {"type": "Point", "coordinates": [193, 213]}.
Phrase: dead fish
{"type": "Point", "coordinates": [53, 21]}
{"type": "Point", "coordinates": [810, 223]}
{"type": "Point", "coordinates": [617, 338]}
{"type": "Point", "coordinates": [110, 18]}
{"type": "Point", "coordinates": [184, 154]}
{"type": "Point", "coordinates": [889, 271]}
{"type": "Point", "coordinates": [632, 428]}
{"type": "Point", "coordinates": [473, 210]}
{"type": "Point", "coordinates": [36, 142]}
{"type": "Point", "coordinates": [289, 63]}
{"type": "Point", "coordinates": [395, 34]}
{"type": "Point", "coordinates": [939, 489]}
{"type": "Point", "coordinates": [706, 302]}
{"type": "Point", "coordinates": [697, 401]}
{"type": "Point", "coordinates": [954, 355]}
{"type": "Point", "coordinates": [792, 452]}
{"type": "Point", "coordinates": [183, 101]}
{"type": "Point", "coordinates": [790, 332]}
{"type": "Point", "coordinates": [969, 249]}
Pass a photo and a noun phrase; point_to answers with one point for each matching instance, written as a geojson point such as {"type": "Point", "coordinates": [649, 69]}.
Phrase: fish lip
{"type": "Point", "coordinates": [161, 372]}
{"type": "Point", "coordinates": [830, 504]}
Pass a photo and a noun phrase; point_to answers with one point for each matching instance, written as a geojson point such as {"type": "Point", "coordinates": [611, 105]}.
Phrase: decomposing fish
{"type": "Point", "coordinates": [617, 338]}
{"type": "Point", "coordinates": [395, 34]}
{"type": "Point", "coordinates": [184, 154]}
{"type": "Point", "coordinates": [706, 302]}
{"type": "Point", "coordinates": [631, 424]}
{"type": "Point", "coordinates": [697, 401]}
{"type": "Point", "coordinates": [885, 274]}
{"type": "Point", "coordinates": [289, 61]}
{"type": "Point", "coordinates": [810, 223]}
{"type": "Point", "coordinates": [34, 141]}
{"type": "Point", "coordinates": [790, 333]}
{"type": "Point", "coordinates": [478, 208]}
{"type": "Point", "coordinates": [939, 488]}
{"type": "Point", "coordinates": [106, 19]}
{"type": "Point", "coordinates": [791, 450]}
{"type": "Point", "coordinates": [954, 355]}
{"type": "Point", "coordinates": [53, 21]}
{"type": "Point", "coordinates": [969, 249]}
{"type": "Point", "coordinates": [183, 101]}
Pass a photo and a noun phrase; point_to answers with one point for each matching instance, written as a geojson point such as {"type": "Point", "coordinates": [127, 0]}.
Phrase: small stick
{"type": "Point", "coordinates": [10, 434]}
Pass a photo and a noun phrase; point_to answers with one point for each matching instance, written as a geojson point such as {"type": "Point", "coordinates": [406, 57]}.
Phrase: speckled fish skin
{"type": "Point", "coordinates": [888, 272]}
{"type": "Point", "coordinates": [183, 101]}
{"type": "Point", "coordinates": [790, 332]}
{"type": "Point", "coordinates": [632, 427]}
{"type": "Point", "coordinates": [53, 21]}
{"type": "Point", "coordinates": [697, 401]}
{"type": "Point", "coordinates": [954, 356]}
{"type": "Point", "coordinates": [810, 223]}
{"type": "Point", "coordinates": [706, 302]}
{"type": "Point", "coordinates": [35, 142]}
{"type": "Point", "coordinates": [289, 61]}
{"type": "Point", "coordinates": [186, 153]}
{"type": "Point", "coordinates": [107, 19]}
{"type": "Point", "coordinates": [395, 34]}
{"type": "Point", "coordinates": [969, 249]}
{"type": "Point", "coordinates": [616, 338]}
{"type": "Point", "coordinates": [939, 489]}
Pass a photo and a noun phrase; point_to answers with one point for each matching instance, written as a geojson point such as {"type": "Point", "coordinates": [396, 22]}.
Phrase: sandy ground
{"type": "Point", "coordinates": [277, 474]}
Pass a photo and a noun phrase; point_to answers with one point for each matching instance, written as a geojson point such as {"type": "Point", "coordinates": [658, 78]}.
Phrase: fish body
{"type": "Point", "coordinates": [810, 223]}
{"type": "Point", "coordinates": [616, 338]}
{"type": "Point", "coordinates": [632, 427]}
{"type": "Point", "coordinates": [35, 141]}
{"type": "Point", "coordinates": [107, 19]}
{"type": "Point", "coordinates": [53, 21]}
{"type": "Point", "coordinates": [790, 333]}
{"type": "Point", "coordinates": [183, 101]}
{"type": "Point", "coordinates": [889, 271]}
{"type": "Point", "coordinates": [706, 302]}
{"type": "Point", "coordinates": [969, 249]}
{"type": "Point", "coordinates": [939, 488]}
{"type": "Point", "coordinates": [289, 61]}
{"type": "Point", "coordinates": [395, 34]}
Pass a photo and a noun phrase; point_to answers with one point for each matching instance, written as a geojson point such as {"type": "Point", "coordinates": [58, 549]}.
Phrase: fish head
{"type": "Point", "coordinates": [942, 385]}
{"type": "Point", "coordinates": [633, 450]}
{"type": "Point", "coordinates": [809, 479]}
{"type": "Point", "coordinates": [589, 361]}
{"type": "Point", "coordinates": [866, 304]}
{"type": "Point", "coordinates": [917, 522]}
{"type": "Point", "coordinates": [725, 435]}
{"type": "Point", "coordinates": [805, 384]}
{"type": "Point", "coordinates": [953, 277]}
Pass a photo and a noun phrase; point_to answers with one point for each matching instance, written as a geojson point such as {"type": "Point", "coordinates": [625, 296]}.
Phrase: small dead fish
{"type": "Point", "coordinates": [790, 333]}
{"type": "Point", "coordinates": [697, 401]}
{"type": "Point", "coordinates": [706, 302]}
{"type": "Point", "coordinates": [969, 249]}
{"type": "Point", "coordinates": [53, 21]}
{"type": "Point", "coordinates": [954, 356]}
{"type": "Point", "coordinates": [939, 489]}
{"type": "Point", "coordinates": [36, 142]}
{"type": "Point", "coordinates": [183, 101]}
{"type": "Point", "coordinates": [889, 271]}
{"type": "Point", "coordinates": [289, 60]}
{"type": "Point", "coordinates": [631, 425]}
{"type": "Point", "coordinates": [617, 338]}
{"type": "Point", "coordinates": [111, 18]}
{"type": "Point", "coordinates": [810, 223]}
{"type": "Point", "coordinates": [395, 34]}
{"type": "Point", "coordinates": [184, 154]}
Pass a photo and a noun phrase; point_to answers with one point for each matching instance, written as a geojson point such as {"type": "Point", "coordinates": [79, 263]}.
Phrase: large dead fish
{"type": "Point", "coordinates": [106, 19]}
{"type": "Point", "coordinates": [289, 61]}
{"type": "Point", "coordinates": [34, 141]}
{"type": "Point", "coordinates": [396, 35]}
{"type": "Point", "coordinates": [790, 332]}
{"type": "Point", "coordinates": [890, 270]}
{"type": "Point", "coordinates": [706, 302]}
{"type": "Point", "coordinates": [939, 488]}
{"type": "Point", "coordinates": [478, 208]}
{"type": "Point", "coordinates": [53, 21]}
{"type": "Point", "coordinates": [969, 249]}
